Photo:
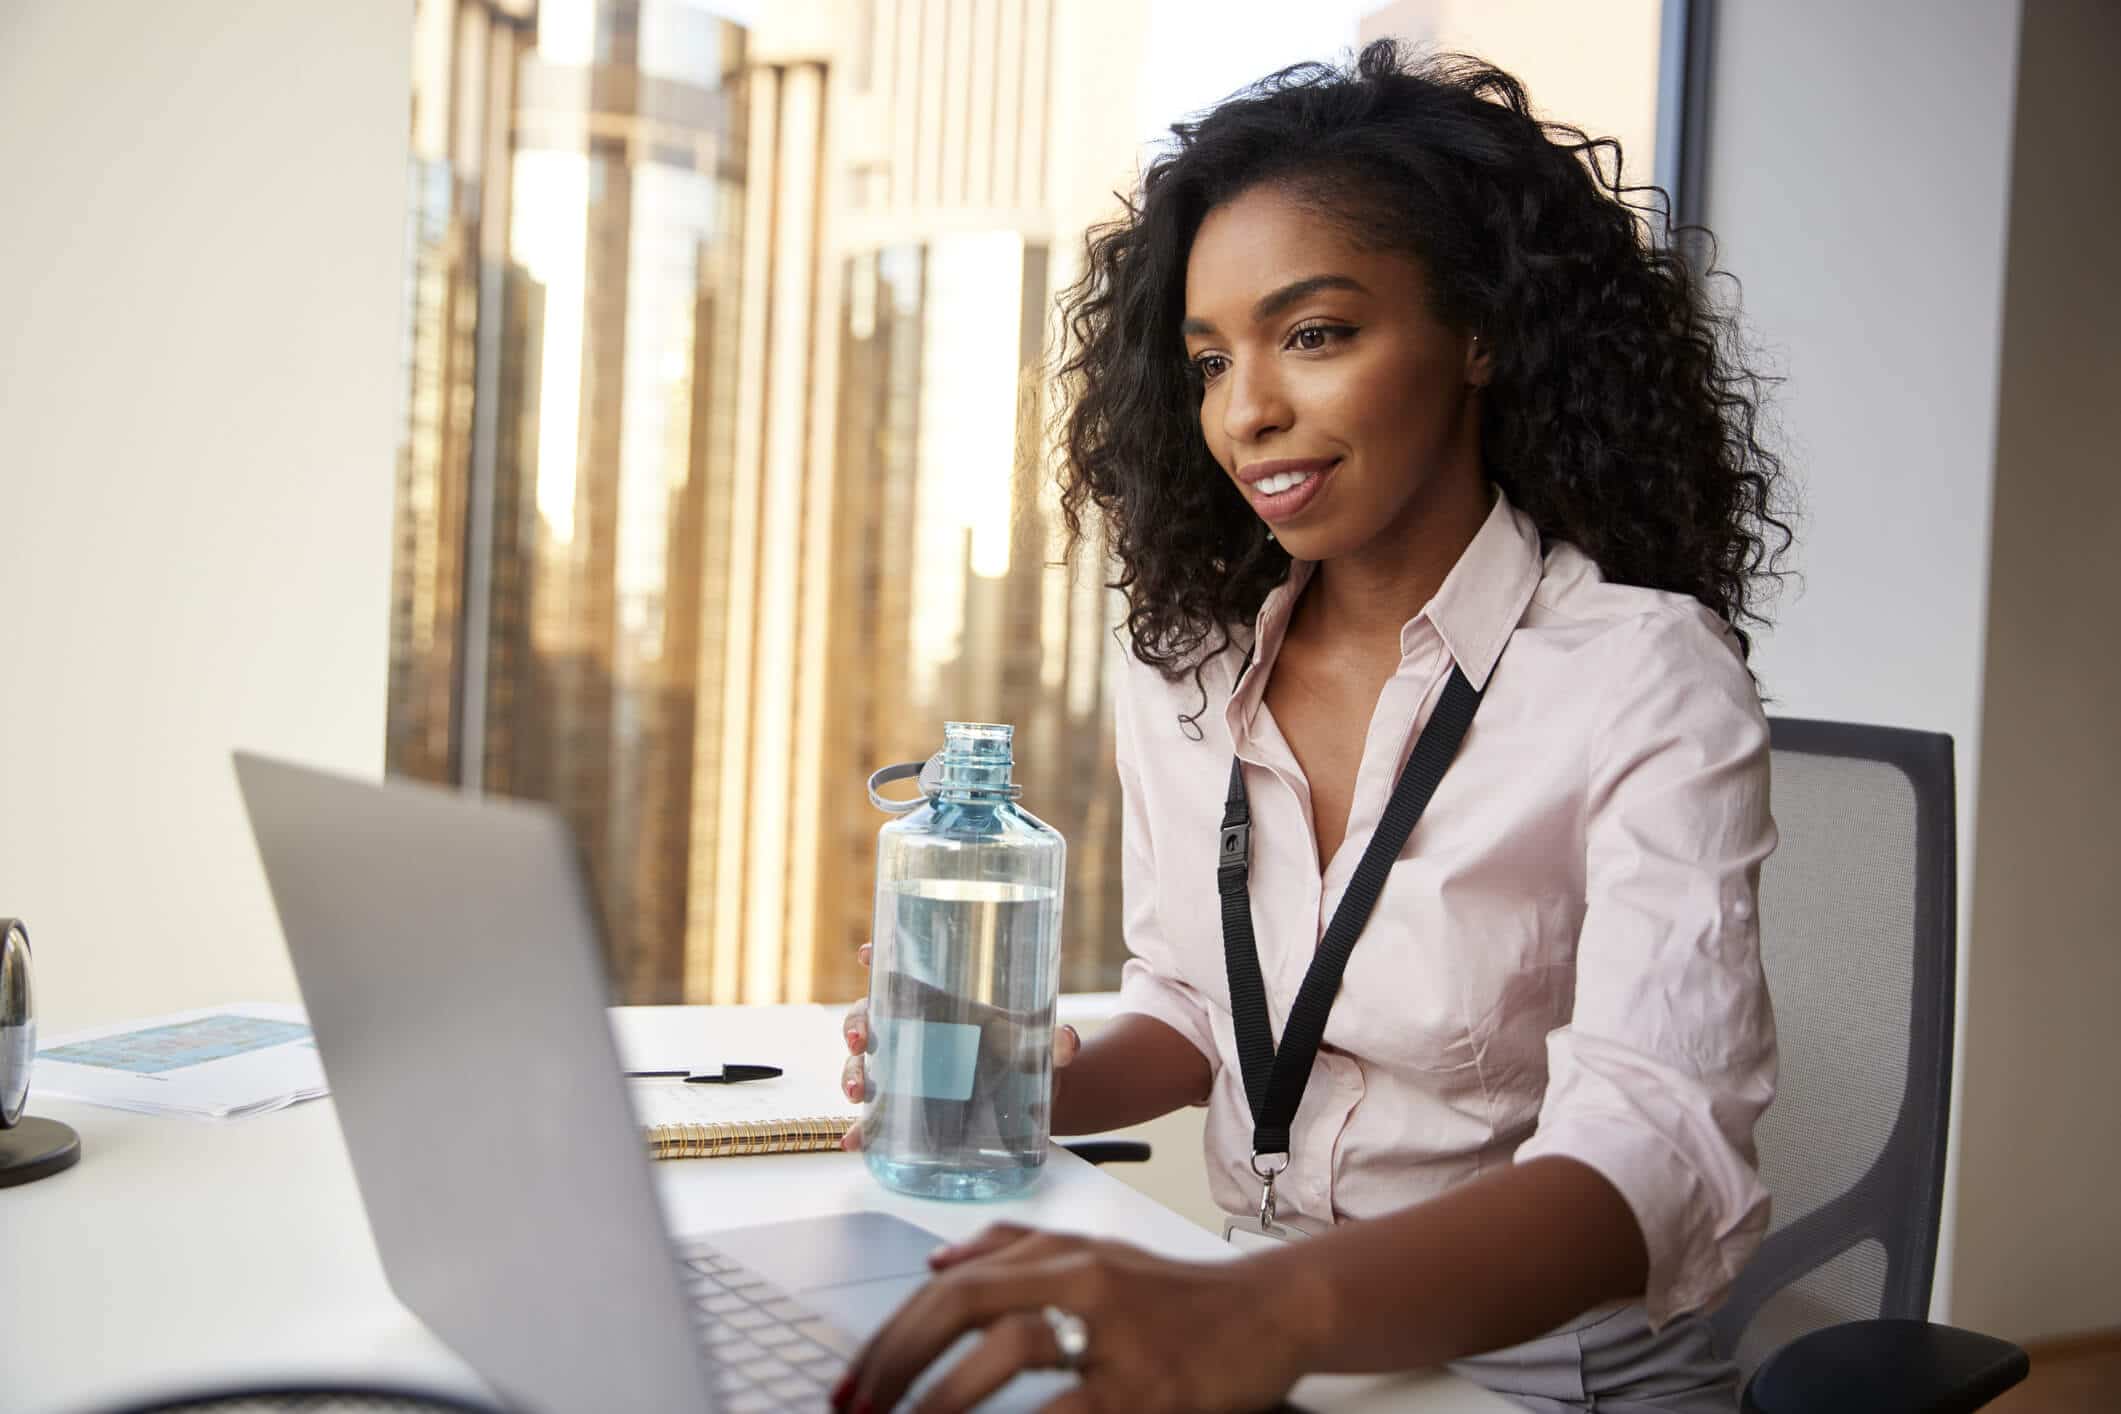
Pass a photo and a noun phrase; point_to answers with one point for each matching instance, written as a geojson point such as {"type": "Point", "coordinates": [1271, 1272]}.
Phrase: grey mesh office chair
{"type": "Point", "coordinates": [1858, 935]}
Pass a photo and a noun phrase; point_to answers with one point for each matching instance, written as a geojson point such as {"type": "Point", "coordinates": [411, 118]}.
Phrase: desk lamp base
{"type": "Point", "coordinates": [36, 1148]}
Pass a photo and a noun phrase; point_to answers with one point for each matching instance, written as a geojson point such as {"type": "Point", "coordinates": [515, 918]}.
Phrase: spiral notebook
{"type": "Point", "coordinates": [684, 1121]}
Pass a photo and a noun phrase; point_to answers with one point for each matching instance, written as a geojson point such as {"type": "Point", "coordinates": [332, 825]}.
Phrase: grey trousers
{"type": "Point", "coordinates": [1609, 1361]}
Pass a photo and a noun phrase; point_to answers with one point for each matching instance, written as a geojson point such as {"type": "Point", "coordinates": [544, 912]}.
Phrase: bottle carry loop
{"type": "Point", "coordinates": [930, 773]}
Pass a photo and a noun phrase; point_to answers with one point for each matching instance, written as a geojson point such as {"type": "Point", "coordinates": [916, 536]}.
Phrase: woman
{"type": "Point", "coordinates": [1402, 432]}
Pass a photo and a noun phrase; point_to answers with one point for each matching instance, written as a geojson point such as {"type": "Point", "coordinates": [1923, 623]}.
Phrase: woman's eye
{"type": "Point", "coordinates": [1314, 337]}
{"type": "Point", "coordinates": [1208, 367]}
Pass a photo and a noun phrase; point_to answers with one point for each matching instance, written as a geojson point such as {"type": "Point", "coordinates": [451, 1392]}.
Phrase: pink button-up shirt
{"type": "Point", "coordinates": [1565, 958]}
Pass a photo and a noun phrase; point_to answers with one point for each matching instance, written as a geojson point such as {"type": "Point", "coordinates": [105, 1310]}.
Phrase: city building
{"type": "Point", "coordinates": [751, 456]}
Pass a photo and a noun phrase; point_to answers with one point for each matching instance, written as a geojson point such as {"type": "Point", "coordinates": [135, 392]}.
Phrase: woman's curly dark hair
{"type": "Point", "coordinates": [1618, 416]}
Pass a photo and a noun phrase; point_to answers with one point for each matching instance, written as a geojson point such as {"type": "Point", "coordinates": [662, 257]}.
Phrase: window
{"type": "Point", "coordinates": [719, 481]}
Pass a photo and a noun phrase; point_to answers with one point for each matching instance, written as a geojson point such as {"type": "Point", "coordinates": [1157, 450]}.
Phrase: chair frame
{"type": "Point", "coordinates": [1905, 1184]}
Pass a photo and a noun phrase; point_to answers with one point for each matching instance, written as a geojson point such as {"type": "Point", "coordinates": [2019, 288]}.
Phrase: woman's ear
{"type": "Point", "coordinates": [1479, 366]}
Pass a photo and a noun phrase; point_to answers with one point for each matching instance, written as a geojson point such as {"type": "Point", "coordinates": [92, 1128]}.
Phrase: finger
{"type": "Point", "coordinates": [863, 952]}
{"type": "Point", "coordinates": [1066, 1042]}
{"type": "Point", "coordinates": [1033, 1246]}
{"type": "Point", "coordinates": [934, 1317]}
{"type": "Point", "coordinates": [1021, 1341]}
{"type": "Point", "coordinates": [854, 1079]}
{"type": "Point", "coordinates": [855, 1026]}
{"type": "Point", "coordinates": [1079, 1400]}
{"type": "Point", "coordinates": [992, 1239]}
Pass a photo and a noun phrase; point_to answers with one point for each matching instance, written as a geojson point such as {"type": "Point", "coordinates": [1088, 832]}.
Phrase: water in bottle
{"type": "Point", "coordinates": [963, 979]}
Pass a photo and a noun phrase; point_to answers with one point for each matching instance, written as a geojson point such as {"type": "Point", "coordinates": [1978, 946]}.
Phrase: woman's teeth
{"type": "Point", "coordinates": [1282, 481]}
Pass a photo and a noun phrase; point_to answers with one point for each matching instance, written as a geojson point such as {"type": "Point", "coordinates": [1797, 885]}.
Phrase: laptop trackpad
{"type": "Point", "coordinates": [798, 1253]}
{"type": "Point", "coordinates": [801, 1255]}
{"type": "Point", "coordinates": [861, 1308]}
{"type": "Point", "coordinates": [855, 1270]}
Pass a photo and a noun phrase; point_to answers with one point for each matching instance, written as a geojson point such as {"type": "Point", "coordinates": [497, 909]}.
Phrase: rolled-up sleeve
{"type": "Point", "coordinates": [1148, 980]}
{"type": "Point", "coordinates": [1668, 1057]}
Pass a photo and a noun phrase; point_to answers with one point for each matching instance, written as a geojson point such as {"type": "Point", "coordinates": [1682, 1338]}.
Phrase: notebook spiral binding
{"type": "Point", "coordinates": [732, 1138]}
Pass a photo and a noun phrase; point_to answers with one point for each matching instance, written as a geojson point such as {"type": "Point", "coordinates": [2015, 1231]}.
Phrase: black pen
{"type": "Point", "coordinates": [727, 1075]}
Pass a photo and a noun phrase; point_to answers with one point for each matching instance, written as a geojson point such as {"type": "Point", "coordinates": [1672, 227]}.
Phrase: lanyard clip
{"type": "Point", "coordinates": [1232, 860]}
{"type": "Point", "coordinates": [1267, 1174]}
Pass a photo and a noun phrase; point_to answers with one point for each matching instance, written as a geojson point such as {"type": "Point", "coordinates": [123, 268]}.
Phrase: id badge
{"type": "Point", "coordinates": [1252, 1235]}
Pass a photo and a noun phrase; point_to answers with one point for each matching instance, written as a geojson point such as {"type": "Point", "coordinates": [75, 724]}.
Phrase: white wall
{"type": "Point", "coordinates": [1944, 307]}
{"type": "Point", "coordinates": [1592, 66]}
{"type": "Point", "coordinates": [199, 311]}
{"type": "Point", "coordinates": [1859, 169]}
{"type": "Point", "coordinates": [2039, 1218]}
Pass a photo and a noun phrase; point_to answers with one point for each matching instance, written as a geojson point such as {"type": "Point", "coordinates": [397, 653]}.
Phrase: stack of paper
{"type": "Point", "coordinates": [216, 1062]}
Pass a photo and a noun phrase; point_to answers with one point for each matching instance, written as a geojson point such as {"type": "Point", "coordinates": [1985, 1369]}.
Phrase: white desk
{"type": "Point", "coordinates": [182, 1254]}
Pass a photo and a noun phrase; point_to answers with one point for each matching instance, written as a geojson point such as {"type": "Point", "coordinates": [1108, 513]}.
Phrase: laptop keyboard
{"type": "Point", "coordinates": [770, 1352]}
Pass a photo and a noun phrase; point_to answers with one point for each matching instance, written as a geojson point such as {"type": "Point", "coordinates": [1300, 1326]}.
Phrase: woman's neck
{"type": "Point", "coordinates": [1363, 599]}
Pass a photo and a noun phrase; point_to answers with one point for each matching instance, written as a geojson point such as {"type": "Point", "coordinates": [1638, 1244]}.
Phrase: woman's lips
{"type": "Point", "coordinates": [1281, 505]}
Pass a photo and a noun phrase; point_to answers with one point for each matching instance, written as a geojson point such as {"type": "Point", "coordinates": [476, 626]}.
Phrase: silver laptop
{"type": "Point", "coordinates": [449, 959]}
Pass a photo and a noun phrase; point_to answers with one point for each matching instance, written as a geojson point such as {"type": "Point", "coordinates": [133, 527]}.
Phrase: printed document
{"type": "Point", "coordinates": [218, 1062]}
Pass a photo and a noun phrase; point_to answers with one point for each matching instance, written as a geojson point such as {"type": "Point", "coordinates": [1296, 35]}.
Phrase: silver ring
{"type": "Point", "coordinates": [1070, 1333]}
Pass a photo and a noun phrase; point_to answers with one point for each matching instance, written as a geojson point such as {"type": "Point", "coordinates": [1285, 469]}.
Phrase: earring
{"type": "Point", "coordinates": [1270, 533]}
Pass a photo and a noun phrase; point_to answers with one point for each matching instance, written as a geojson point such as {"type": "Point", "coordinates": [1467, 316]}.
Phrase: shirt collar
{"type": "Point", "coordinates": [1483, 598]}
{"type": "Point", "coordinates": [1474, 611]}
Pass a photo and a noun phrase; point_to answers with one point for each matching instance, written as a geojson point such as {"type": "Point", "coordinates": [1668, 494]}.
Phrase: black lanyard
{"type": "Point", "coordinates": [1275, 1079]}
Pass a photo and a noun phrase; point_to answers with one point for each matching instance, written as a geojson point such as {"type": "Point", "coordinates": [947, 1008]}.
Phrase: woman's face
{"type": "Point", "coordinates": [1335, 400]}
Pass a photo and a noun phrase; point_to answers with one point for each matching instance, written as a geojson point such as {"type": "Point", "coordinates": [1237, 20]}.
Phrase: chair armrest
{"type": "Point", "coordinates": [1885, 1367]}
{"type": "Point", "coordinates": [1110, 1151]}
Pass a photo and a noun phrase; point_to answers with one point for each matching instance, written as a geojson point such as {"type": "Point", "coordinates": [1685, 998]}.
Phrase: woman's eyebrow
{"type": "Point", "coordinates": [1273, 304]}
{"type": "Point", "coordinates": [1295, 290]}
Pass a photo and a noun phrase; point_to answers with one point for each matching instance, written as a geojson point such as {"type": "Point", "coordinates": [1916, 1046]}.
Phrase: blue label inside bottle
{"type": "Point", "coordinates": [931, 1060]}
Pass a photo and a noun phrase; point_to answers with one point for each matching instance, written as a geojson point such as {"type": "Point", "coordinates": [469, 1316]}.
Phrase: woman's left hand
{"type": "Point", "coordinates": [1163, 1335]}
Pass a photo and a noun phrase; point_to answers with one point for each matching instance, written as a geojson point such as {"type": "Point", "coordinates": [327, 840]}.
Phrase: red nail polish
{"type": "Point", "coordinates": [840, 1390]}
{"type": "Point", "coordinates": [863, 1406]}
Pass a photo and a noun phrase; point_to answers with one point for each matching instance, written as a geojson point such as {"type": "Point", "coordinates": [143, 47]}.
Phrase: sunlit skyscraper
{"type": "Point", "coordinates": [721, 481]}
{"type": "Point", "coordinates": [577, 189]}
{"type": "Point", "coordinates": [941, 162]}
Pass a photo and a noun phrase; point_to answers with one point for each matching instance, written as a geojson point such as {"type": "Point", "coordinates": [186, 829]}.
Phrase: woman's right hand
{"type": "Point", "coordinates": [854, 1074]}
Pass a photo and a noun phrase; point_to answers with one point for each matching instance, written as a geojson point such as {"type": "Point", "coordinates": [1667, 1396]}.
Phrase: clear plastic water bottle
{"type": "Point", "coordinates": [963, 977]}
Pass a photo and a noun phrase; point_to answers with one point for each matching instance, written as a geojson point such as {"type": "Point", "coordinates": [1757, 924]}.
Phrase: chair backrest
{"type": "Point", "coordinates": [1858, 909]}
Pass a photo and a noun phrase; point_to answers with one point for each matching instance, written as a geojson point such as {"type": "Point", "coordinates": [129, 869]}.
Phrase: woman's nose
{"type": "Point", "coordinates": [1257, 405]}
